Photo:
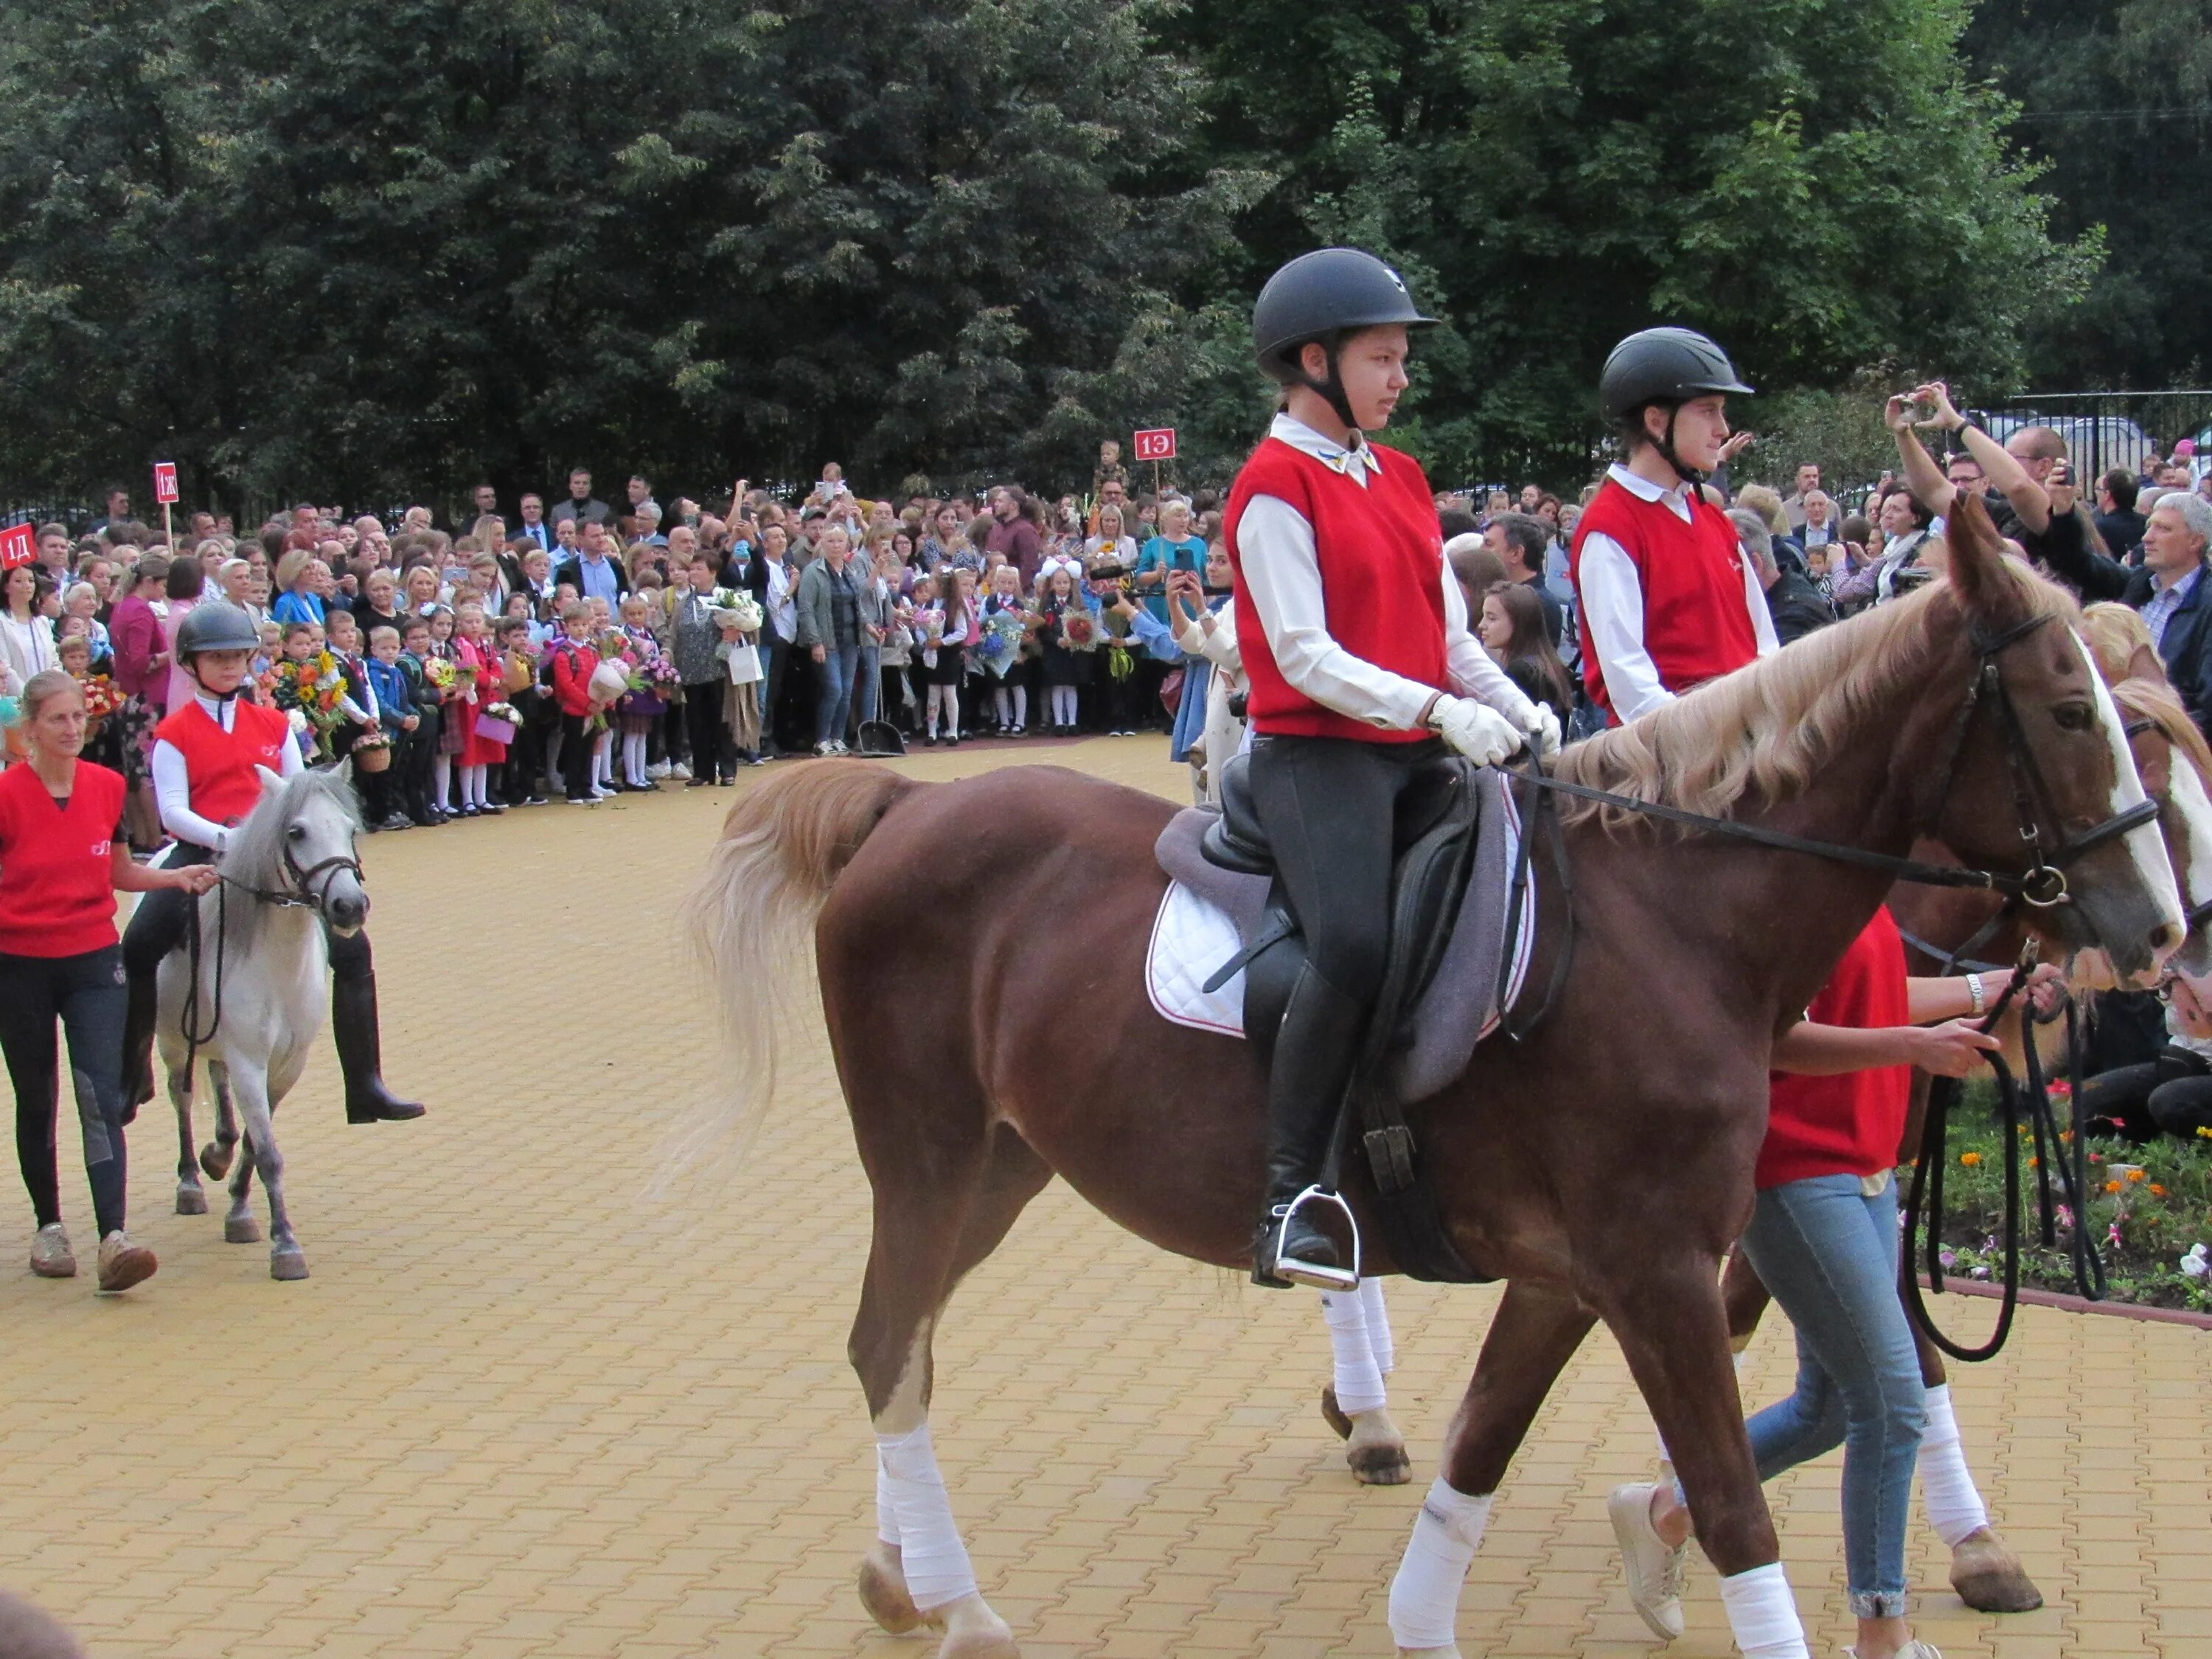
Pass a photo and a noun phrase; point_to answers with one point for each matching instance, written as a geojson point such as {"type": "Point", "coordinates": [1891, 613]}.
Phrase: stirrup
{"type": "Point", "coordinates": [1311, 1273]}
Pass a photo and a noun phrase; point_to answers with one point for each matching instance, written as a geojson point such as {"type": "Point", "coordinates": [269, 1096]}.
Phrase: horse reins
{"type": "Point", "coordinates": [300, 894]}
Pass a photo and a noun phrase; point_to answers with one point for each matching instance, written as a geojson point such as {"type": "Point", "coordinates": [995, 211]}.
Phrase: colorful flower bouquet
{"type": "Point", "coordinates": [1001, 647]}
{"type": "Point", "coordinates": [734, 607]}
{"type": "Point", "coordinates": [309, 693]}
{"type": "Point", "coordinates": [438, 672]}
{"type": "Point", "coordinates": [495, 722]}
{"type": "Point", "coordinates": [101, 699]}
{"type": "Point", "coordinates": [1079, 629]}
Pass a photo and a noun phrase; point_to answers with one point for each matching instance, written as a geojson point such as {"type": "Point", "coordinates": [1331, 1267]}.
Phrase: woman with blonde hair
{"type": "Point", "coordinates": [2120, 643]}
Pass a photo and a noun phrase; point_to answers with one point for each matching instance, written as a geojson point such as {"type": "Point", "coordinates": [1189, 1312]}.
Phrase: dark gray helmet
{"type": "Point", "coordinates": [1329, 291]}
{"type": "Point", "coordinates": [1663, 366]}
{"type": "Point", "coordinates": [214, 625]}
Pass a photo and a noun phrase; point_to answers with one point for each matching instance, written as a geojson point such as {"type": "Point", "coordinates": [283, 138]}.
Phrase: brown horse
{"type": "Point", "coordinates": [2175, 764]}
{"type": "Point", "coordinates": [1602, 1167]}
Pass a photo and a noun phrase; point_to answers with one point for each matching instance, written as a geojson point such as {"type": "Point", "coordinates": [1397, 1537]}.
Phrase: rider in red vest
{"type": "Point", "coordinates": [1667, 599]}
{"type": "Point", "coordinates": [207, 762]}
{"type": "Point", "coordinates": [1362, 671]}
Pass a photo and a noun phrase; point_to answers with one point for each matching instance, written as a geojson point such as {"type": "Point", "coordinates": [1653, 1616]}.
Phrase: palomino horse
{"type": "Point", "coordinates": [251, 997]}
{"type": "Point", "coordinates": [1602, 1167]}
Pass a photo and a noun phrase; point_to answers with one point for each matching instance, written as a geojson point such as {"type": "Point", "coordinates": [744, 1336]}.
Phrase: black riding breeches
{"type": "Point", "coordinates": [1329, 808]}
{"type": "Point", "coordinates": [85, 993]}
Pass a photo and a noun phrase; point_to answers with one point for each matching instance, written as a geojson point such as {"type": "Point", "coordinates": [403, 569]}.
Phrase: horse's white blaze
{"type": "Point", "coordinates": [2145, 846]}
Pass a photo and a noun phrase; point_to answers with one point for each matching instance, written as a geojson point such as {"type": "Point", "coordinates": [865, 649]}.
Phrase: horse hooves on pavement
{"type": "Point", "coordinates": [1379, 1465]}
{"type": "Point", "coordinates": [1989, 1577]}
{"type": "Point", "coordinates": [190, 1201]}
{"type": "Point", "coordinates": [1333, 1415]}
{"type": "Point", "coordinates": [215, 1160]}
{"type": "Point", "coordinates": [241, 1229]}
{"type": "Point", "coordinates": [288, 1264]}
{"type": "Point", "coordinates": [883, 1593]}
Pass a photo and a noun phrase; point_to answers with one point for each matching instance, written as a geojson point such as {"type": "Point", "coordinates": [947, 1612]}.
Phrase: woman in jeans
{"type": "Point", "coordinates": [1823, 1236]}
{"type": "Point", "coordinates": [832, 631]}
{"type": "Point", "coordinates": [63, 860]}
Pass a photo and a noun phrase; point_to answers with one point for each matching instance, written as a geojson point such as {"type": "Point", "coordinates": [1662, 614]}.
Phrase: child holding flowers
{"type": "Point", "coordinates": [640, 709]}
{"type": "Point", "coordinates": [947, 626]}
{"type": "Point", "coordinates": [441, 667]}
{"type": "Point", "coordinates": [482, 682]}
{"type": "Point", "coordinates": [574, 663]}
{"type": "Point", "coordinates": [1009, 630]}
{"type": "Point", "coordinates": [1069, 635]}
{"type": "Point", "coordinates": [415, 660]}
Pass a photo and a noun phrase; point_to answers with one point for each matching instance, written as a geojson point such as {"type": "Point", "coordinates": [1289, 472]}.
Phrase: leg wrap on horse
{"type": "Point", "coordinates": [934, 1559]}
{"type": "Point", "coordinates": [1762, 1614]}
{"type": "Point", "coordinates": [1377, 1316]}
{"type": "Point", "coordinates": [1425, 1594]}
{"type": "Point", "coordinates": [1954, 1505]}
{"type": "Point", "coordinates": [1359, 1380]}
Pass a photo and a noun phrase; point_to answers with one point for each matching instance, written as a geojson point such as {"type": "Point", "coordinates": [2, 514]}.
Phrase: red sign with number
{"type": "Point", "coordinates": [1156, 444]}
{"type": "Point", "coordinates": [165, 482]}
{"type": "Point", "coordinates": [19, 544]}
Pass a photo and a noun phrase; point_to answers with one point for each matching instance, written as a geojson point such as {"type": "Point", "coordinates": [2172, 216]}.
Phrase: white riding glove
{"type": "Point", "coordinates": [1475, 730]}
{"type": "Point", "coordinates": [1542, 726]}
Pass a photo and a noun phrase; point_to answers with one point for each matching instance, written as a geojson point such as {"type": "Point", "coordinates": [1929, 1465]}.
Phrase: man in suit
{"type": "Point", "coordinates": [533, 527]}
{"type": "Point", "coordinates": [2169, 589]}
{"type": "Point", "coordinates": [2118, 522]}
{"type": "Point", "coordinates": [596, 571]}
{"type": "Point", "coordinates": [580, 504]}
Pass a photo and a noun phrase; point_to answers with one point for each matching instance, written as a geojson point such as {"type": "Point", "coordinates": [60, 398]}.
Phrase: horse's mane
{"type": "Point", "coordinates": [1765, 731]}
{"type": "Point", "coordinates": [255, 855]}
{"type": "Point", "coordinates": [2156, 701]}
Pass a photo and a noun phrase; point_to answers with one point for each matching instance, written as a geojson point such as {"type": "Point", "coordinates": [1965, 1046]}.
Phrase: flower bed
{"type": "Point", "coordinates": [2150, 1208]}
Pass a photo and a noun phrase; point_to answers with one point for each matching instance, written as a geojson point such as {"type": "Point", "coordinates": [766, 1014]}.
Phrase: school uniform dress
{"type": "Point", "coordinates": [1666, 597]}
{"type": "Point", "coordinates": [60, 961]}
{"type": "Point", "coordinates": [490, 686]}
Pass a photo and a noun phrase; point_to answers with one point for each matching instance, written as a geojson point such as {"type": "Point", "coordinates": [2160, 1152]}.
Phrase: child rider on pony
{"type": "Point", "coordinates": [1363, 673]}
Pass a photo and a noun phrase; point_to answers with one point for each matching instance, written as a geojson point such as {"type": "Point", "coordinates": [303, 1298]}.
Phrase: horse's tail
{"type": "Point", "coordinates": [751, 914]}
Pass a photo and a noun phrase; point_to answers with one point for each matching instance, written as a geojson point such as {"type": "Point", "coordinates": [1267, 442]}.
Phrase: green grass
{"type": "Point", "coordinates": [2142, 1227]}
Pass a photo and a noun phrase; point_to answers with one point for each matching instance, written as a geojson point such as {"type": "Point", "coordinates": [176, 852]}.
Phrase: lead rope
{"type": "Point", "coordinates": [188, 1018]}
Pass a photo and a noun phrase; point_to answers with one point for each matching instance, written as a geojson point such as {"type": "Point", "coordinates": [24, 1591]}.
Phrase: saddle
{"type": "Point", "coordinates": [1454, 818]}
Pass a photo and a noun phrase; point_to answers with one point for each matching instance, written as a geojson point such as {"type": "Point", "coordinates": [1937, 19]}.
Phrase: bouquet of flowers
{"type": "Point", "coordinates": [311, 689]}
{"type": "Point", "coordinates": [438, 672]}
{"type": "Point", "coordinates": [1001, 647]}
{"type": "Point", "coordinates": [609, 681]}
{"type": "Point", "coordinates": [652, 678]}
{"type": "Point", "coordinates": [1078, 629]}
{"type": "Point", "coordinates": [1119, 665]}
{"type": "Point", "coordinates": [101, 699]}
{"type": "Point", "coordinates": [734, 606]}
{"type": "Point", "coordinates": [495, 722]}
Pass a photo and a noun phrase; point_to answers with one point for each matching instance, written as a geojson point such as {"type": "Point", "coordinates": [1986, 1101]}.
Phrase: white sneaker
{"type": "Point", "coordinates": [678, 770]}
{"type": "Point", "coordinates": [824, 749]}
{"type": "Point", "coordinates": [123, 1264]}
{"type": "Point", "coordinates": [1653, 1569]}
{"type": "Point", "coordinates": [50, 1256]}
{"type": "Point", "coordinates": [657, 770]}
{"type": "Point", "coordinates": [838, 746]}
{"type": "Point", "coordinates": [600, 791]}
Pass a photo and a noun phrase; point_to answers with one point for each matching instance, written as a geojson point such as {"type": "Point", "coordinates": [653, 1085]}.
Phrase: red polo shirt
{"type": "Point", "coordinates": [57, 863]}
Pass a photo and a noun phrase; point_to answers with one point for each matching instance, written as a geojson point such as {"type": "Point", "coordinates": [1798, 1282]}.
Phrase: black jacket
{"type": "Point", "coordinates": [2186, 648]}
{"type": "Point", "coordinates": [1796, 606]}
{"type": "Point", "coordinates": [571, 571]}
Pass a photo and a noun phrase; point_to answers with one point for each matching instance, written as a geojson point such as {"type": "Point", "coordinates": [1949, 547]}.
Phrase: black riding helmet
{"type": "Point", "coordinates": [214, 625]}
{"type": "Point", "coordinates": [1323, 297]}
{"type": "Point", "coordinates": [1669, 366]}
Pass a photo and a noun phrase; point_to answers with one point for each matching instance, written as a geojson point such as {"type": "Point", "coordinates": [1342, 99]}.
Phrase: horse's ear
{"type": "Point", "coordinates": [270, 782]}
{"type": "Point", "coordinates": [343, 770]}
{"type": "Point", "coordinates": [1977, 575]}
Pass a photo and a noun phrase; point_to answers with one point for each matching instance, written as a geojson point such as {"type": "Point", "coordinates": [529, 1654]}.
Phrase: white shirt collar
{"type": "Point", "coordinates": [1677, 499]}
{"type": "Point", "coordinates": [1355, 462]}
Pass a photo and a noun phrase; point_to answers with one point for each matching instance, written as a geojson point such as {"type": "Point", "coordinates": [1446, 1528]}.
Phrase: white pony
{"type": "Point", "coordinates": [250, 996]}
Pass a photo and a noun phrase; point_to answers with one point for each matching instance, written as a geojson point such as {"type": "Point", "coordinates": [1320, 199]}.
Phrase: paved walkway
{"type": "Point", "coordinates": [519, 1410]}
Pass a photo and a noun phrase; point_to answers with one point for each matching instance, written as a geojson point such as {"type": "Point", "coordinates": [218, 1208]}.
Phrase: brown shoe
{"type": "Point", "coordinates": [123, 1264]}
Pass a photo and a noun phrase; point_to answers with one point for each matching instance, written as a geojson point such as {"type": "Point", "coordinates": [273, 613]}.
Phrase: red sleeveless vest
{"type": "Point", "coordinates": [219, 763]}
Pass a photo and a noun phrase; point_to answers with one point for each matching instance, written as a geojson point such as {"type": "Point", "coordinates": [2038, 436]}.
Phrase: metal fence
{"type": "Point", "coordinates": [2105, 429]}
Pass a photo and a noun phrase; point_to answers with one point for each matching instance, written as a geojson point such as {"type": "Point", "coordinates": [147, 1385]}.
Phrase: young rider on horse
{"type": "Point", "coordinates": [1667, 599]}
{"type": "Point", "coordinates": [205, 780]}
{"type": "Point", "coordinates": [1355, 644]}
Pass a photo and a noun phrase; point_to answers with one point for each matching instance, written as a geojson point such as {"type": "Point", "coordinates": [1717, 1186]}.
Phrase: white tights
{"type": "Point", "coordinates": [634, 757]}
{"type": "Point", "coordinates": [1063, 705]}
{"type": "Point", "coordinates": [441, 780]}
{"type": "Point", "coordinates": [1012, 702]}
{"type": "Point", "coordinates": [947, 697]}
{"type": "Point", "coordinates": [603, 765]}
{"type": "Point", "coordinates": [475, 781]}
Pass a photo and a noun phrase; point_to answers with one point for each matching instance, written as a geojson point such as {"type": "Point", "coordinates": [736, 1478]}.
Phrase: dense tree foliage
{"type": "Point", "coordinates": [2118, 95]}
{"type": "Point", "coordinates": [361, 251]}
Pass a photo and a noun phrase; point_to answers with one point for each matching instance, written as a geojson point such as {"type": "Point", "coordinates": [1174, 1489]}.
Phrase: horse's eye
{"type": "Point", "coordinates": [2073, 716]}
{"type": "Point", "coordinates": [298, 832]}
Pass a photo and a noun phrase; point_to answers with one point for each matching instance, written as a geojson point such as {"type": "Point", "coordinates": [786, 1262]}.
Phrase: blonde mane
{"type": "Point", "coordinates": [1763, 733]}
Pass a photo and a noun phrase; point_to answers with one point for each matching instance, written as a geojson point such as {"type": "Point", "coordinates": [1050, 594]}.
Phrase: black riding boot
{"type": "Point", "coordinates": [1316, 1048]}
{"type": "Point", "coordinates": [353, 1027]}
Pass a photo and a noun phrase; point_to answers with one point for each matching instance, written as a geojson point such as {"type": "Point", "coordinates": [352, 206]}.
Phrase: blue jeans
{"type": "Point", "coordinates": [868, 684]}
{"type": "Point", "coordinates": [1828, 1252]}
{"type": "Point", "coordinates": [833, 703]}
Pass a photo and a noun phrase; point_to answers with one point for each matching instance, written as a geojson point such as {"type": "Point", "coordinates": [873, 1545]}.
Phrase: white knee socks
{"type": "Point", "coordinates": [1063, 705]}
{"type": "Point", "coordinates": [634, 757]}
{"type": "Point", "coordinates": [1425, 1594]}
{"type": "Point", "coordinates": [442, 776]}
{"type": "Point", "coordinates": [1762, 1614]}
{"type": "Point", "coordinates": [930, 1551]}
{"type": "Point", "coordinates": [1946, 1486]}
{"type": "Point", "coordinates": [1359, 1380]}
{"type": "Point", "coordinates": [476, 784]}
{"type": "Point", "coordinates": [947, 698]}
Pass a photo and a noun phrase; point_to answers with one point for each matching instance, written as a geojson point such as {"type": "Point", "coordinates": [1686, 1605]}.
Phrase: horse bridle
{"type": "Point", "coordinates": [301, 890]}
{"type": "Point", "coordinates": [2042, 885]}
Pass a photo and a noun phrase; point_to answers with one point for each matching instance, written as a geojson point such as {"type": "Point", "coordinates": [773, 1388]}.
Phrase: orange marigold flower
{"type": "Point", "coordinates": [2111, 1186]}
{"type": "Point", "coordinates": [2157, 1191]}
{"type": "Point", "coordinates": [2135, 1175]}
{"type": "Point", "coordinates": [1970, 1160]}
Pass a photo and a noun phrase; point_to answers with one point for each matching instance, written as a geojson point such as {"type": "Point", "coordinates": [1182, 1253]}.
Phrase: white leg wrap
{"type": "Point", "coordinates": [1424, 1596]}
{"type": "Point", "coordinates": [1359, 1381]}
{"type": "Point", "coordinates": [1762, 1614]}
{"type": "Point", "coordinates": [929, 1550]}
{"type": "Point", "coordinates": [886, 1511]}
{"type": "Point", "coordinates": [1378, 1326]}
{"type": "Point", "coordinates": [1954, 1505]}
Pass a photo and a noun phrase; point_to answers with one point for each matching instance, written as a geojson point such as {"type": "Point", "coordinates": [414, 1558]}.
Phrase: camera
{"type": "Point", "coordinates": [1110, 573]}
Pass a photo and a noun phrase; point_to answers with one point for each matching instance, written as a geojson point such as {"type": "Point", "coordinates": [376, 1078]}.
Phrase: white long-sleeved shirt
{"type": "Point", "coordinates": [172, 786]}
{"type": "Point", "coordinates": [1280, 573]}
{"type": "Point", "coordinates": [1613, 606]}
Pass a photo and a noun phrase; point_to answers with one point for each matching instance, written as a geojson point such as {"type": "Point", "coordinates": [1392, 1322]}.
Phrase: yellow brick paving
{"type": "Point", "coordinates": [520, 1409]}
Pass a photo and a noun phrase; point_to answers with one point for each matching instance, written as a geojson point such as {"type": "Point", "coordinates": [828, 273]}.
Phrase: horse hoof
{"type": "Point", "coordinates": [241, 1229]}
{"type": "Point", "coordinates": [882, 1593]}
{"type": "Point", "coordinates": [215, 1160]}
{"type": "Point", "coordinates": [288, 1264]}
{"type": "Point", "coordinates": [1333, 1415]}
{"type": "Point", "coordinates": [1989, 1577]}
{"type": "Point", "coordinates": [190, 1201]}
{"type": "Point", "coordinates": [1381, 1465]}
{"type": "Point", "coordinates": [972, 1631]}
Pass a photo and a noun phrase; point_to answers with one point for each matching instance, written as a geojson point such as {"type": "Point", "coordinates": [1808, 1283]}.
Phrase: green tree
{"type": "Point", "coordinates": [1819, 185]}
